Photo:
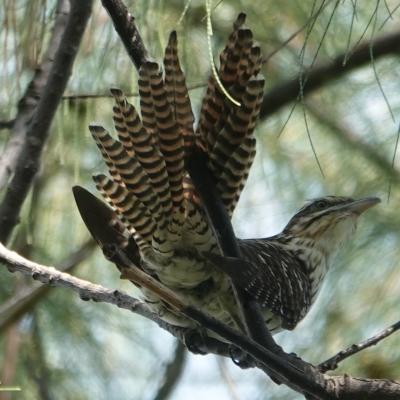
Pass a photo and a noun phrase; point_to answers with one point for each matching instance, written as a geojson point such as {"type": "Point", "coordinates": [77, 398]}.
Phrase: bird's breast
{"type": "Point", "coordinates": [316, 263]}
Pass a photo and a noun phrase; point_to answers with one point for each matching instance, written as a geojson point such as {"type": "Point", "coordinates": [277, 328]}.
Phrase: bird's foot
{"type": "Point", "coordinates": [241, 358]}
{"type": "Point", "coordinates": [195, 340]}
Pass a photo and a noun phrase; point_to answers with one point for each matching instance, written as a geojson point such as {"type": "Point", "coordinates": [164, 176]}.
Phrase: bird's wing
{"type": "Point", "coordinates": [272, 276]}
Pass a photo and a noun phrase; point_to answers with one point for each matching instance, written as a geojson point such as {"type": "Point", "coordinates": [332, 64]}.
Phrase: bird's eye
{"type": "Point", "coordinates": [321, 204]}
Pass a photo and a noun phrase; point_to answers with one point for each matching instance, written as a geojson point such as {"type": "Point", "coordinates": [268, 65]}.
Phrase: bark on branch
{"type": "Point", "coordinates": [124, 24]}
{"type": "Point", "coordinates": [26, 298]}
{"type": "Point", "coordinates": [29, 101]}
{"type": "Point", "coordinates": [308, 381]}
{"type": "Point", "coordinates": [35, 121]}
{"type": "Point", "coordinates": [86, 290]}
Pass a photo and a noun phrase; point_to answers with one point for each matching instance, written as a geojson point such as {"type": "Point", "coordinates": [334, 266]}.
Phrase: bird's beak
{"type": "Point", "coordinates": [361, 205]}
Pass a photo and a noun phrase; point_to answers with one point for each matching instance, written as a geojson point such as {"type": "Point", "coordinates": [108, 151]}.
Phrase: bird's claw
{"type": "Point", "coordinates": [195, 340]}
{"type": "Point", "coordinates": [241, 358]}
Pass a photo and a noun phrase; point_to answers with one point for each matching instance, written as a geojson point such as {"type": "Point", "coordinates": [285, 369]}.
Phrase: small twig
{"type": "Point", "coordinates": [7, 124]}
{"type": "Point", "coordinates": [85, 96]}
{"type": "Point", "coordinates": [332, 363]}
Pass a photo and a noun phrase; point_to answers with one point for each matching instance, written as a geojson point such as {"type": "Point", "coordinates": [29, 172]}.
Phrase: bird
{"type": "Point", "coordinates": [157, 218]}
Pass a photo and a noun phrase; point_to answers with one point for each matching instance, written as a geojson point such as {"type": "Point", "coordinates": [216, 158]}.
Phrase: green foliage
{"type": "Point", "coordinates": [97, 351]}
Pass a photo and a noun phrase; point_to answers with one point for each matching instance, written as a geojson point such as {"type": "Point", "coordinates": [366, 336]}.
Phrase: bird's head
{"type": "Point", "coordinates": [328, 221]}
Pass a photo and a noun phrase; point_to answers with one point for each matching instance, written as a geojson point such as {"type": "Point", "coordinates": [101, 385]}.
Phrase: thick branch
{"type": "Point", "coordinates": [29, 101]}
{"type": "Point", "coordinates": [37, 131]}
{"type": "Point", "coordinates": [286, 92]}
{"type": "Point", "coordinates": [348, 388]}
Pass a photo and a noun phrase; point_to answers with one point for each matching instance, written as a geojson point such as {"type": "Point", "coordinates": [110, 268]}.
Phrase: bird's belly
{"type": "Point", "coordinates": [200, 284]}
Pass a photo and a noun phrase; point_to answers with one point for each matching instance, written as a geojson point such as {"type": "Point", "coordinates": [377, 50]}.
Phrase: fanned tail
{"type": "Point", "coordinates": [148, 186]}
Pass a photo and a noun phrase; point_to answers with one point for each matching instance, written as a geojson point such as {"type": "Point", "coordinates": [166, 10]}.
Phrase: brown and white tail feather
{"type": "Point", "coordinates": [170, 139]}
{"type": "Point", "coordinates": [177, 92]}
{"type": "Point", "coordinates": [130, 210]}
{"type": "Point", "coordinates": [150, 188]}
{"type": "Point", "coordinates": [138, 143]}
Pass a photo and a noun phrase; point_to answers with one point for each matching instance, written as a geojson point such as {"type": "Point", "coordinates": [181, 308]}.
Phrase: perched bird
{"type": "Point", "coordinates": [157, 217]}
{"type": "Point", "coordinates": [286, 271]}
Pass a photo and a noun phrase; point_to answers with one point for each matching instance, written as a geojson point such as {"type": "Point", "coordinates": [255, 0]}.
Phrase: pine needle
{"type": "Point", "coordinates": [210, 53]}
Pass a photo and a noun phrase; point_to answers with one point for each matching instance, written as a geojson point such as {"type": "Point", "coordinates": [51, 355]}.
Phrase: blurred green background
{"type": "Point", "coordinates": [63, 348]}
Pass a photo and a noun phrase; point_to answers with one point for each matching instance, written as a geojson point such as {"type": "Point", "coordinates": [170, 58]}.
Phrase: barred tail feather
{"type": "Point", "coordinates": [149, 187]}
{"type": "Point", "coordinates": [170, 140]}
{"type": "Point", "coordinates": [147, 105]}
{"type": "Point", "coordinates": [138, 143]}
{"type": "Point", "coordinates": [177, 93]}
{"type": "Point", "coordinates": [215, 106]}
{"type": "Point", "coordinates": [133, 176]}
{"type": "Point", "coordinates": [235, 173]}
{"type": "Point", "coordinates": [129, 207]}
{"type": "Point", "coordinates": [197, 231]}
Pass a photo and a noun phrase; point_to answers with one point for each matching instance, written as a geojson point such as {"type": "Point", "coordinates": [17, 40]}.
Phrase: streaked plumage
{"type": "Point", "coordinates": [159, 217]}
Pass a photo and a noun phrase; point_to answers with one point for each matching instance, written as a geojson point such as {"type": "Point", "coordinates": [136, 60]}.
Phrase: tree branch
{"type": "Point", "coordinates": [86, 290]}
{"type": "Point", "coordinates": [309, 380]}
{"type": "Point", "coordinates": [29, 101]}
{"type": "Point", "coordinates": [36, 124]}
{"type": "Point", "coordinates": [6, 125]}
{"type": "Point", "coordinates": [286, 92]}
{"type": "Point", "coordinates": [333, 362]}
{"type": "Point", "coordinates": [124, 24]}
{"type": "Point", "coordinates": [27, 297]}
